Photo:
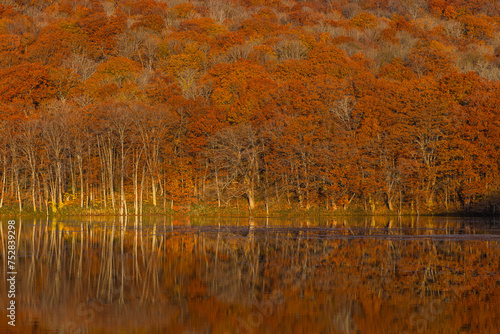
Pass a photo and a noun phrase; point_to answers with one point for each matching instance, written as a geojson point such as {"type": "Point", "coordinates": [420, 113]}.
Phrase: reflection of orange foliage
{"type": "Point", "coordinates": [371, 285]}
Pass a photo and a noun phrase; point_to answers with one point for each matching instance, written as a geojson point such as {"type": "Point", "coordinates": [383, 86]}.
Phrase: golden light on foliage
{"type": "Point", "coordinates": [362, 106]}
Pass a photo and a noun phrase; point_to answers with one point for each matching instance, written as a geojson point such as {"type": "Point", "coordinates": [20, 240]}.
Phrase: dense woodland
{"type": "Point", "coordinates": [370, 105]}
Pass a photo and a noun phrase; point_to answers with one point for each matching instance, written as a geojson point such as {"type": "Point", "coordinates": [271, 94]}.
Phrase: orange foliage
{"type": "Point", "coordinates": [350, 104]}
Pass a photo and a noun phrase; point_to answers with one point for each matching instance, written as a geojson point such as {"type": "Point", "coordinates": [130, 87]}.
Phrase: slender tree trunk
{"type": "Point", "coordinates": [108, 157]}
{"type": "Point", "coordinates": [92, 196]}
{"type": "Point", "coordinates": [33, 183]}
{"type": "Point", "coordinates": [287, 189]}
{"type": "Point", "coordinates": [153, 189]}
{"type": "Point", "coordinates": [46, 194]}
{"type": "Point", "coordinates": [217, 187]}
{"type": "Point", "coordinates": [390, 206]}
{"type": "Point", "coordinates": [73, 177]}
{"type": "Point", "coordinates": [111, 183]}
{"type": "Point", "coordinates": [299, 191]}
{"type": "Point", "coordinates": [306, 177]}
{"type": "Point", "coordinates": [125, 207]}
{"type": "Point", "coordinates": [135, 180]}
{"type": "Point", "coordinates": [53, 190]}
{"type": "Point", "coordinates": [164, 194]}
{"type": "Point", "coordinates": [142, 187]}
{"type": "Point", "coordinates": [104, 185]}
{"type": "Point", "coordinates": [123, 204]}
{"type": "Point", "coordinates": [29, 151]}
{"type": "Point", "coordinates": [15, 176]}
{"type": "Point", "coordinates": [18, 189]}
{"type": "Point", "coordinates": [59, 181]}
{"type": "Point", "coordinates": [136, 193]}
{"type": "Point", "coordinates": [4, 178]}
{"type": "Point", "coordinates": [80, 168]}
{"type": "Point", "coordinates": [87, 192]}
{"type": "Point", "coordinates": [12, 183]}
{"type": "Point", "coordinates": [266, 191]}
{"type": "Point", "coordinates": [400, 202]}
{"type": "Point", "coordinates": [160, 187]}
{"type": "Point", "coordinates": [40, 195]}
{"type": "Point", "coordinates": [250, 193]}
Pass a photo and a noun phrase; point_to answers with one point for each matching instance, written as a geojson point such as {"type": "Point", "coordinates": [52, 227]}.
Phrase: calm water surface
{"type": "Point", "coordinates": [260, 275]}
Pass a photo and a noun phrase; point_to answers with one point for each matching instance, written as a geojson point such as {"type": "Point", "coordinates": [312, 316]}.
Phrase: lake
{"type": "Point", "coordinates": [258, 275]}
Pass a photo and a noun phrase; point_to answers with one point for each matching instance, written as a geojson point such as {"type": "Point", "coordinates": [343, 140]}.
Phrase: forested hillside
{"type": "Point", "coordinates": [371, 105]}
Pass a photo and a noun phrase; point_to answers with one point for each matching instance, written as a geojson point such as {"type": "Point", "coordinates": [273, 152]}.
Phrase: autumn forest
{"type": "Point", "coordinates": [143, 106]}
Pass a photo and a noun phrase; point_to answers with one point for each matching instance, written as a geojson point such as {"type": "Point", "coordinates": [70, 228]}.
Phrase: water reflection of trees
{"type": "Point", "coordinates": [122, 274]}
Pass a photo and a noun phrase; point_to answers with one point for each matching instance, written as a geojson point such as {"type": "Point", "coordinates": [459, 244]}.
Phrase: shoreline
{"type": "Point", "coordinates": [208, 211]}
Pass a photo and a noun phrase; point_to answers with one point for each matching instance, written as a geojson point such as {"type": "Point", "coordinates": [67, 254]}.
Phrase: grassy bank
{"type": "Point", "coordinates": [240, 210]}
